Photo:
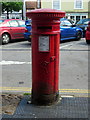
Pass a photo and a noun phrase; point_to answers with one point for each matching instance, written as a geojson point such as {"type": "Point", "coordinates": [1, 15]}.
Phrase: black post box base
{"type": "Point", "coordinates": [44, 100]}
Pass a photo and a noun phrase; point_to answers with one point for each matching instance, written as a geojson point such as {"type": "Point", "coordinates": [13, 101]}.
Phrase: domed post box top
{"type": "Point", "coordinates": [45, 13]}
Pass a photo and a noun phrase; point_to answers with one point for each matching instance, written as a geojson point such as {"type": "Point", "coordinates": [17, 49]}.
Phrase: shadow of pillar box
{"type": "Point", "coordinates": [45, 55]}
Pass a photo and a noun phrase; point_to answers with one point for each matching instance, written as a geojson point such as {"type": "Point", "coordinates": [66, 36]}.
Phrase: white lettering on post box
{"type": "Point", "coordinates": [44, 43]}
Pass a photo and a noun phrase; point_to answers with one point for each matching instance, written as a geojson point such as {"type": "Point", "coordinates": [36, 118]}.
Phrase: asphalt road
{"type": "Point", "coordinates": [15, 67]}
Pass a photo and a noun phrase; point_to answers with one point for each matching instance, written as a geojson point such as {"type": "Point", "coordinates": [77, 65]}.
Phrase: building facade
{"type": "Point", "coordinates": [75, 9]}
{"type": "Point", "coordinates": [30, 5]}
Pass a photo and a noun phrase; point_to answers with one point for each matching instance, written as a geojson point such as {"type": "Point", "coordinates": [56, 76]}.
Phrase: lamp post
{"type": "Point", "coordinates": [38, 4]}
{"type": "Point", "coordinates": [24, 10]}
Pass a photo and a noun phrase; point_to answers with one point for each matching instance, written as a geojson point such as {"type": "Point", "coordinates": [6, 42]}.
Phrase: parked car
{"type": "Point", "coordinates": [11, 29]}
{"type": "Point", "coordinates": [70, 20]}
{"type": "Point", "coordinates": [69, 31]}
{"type": "Point", "coordinates": [27, 33]}
{"type": "Point", "coordinates": [88, 34]}
{"type": "Point", "coordinates": [83, 23]}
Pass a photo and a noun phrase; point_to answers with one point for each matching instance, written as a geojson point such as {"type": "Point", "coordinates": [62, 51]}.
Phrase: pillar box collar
{"type": "Point", "coordinates": [45, 13]}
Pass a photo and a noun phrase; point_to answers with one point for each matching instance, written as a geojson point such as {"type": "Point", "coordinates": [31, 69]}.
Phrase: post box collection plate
{"type": "Point", "coordinates": [43, 43]}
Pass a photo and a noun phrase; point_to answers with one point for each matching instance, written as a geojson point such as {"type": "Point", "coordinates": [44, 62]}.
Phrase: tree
{"type": "Point", "coordinates": [11, 6]}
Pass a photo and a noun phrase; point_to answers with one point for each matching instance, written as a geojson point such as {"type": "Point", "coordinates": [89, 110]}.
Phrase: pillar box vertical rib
{"type": "Point", "coordinates": [45, 55]}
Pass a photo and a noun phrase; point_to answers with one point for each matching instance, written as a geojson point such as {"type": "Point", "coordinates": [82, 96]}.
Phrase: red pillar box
{"type": "Point", "coordinates": [45, 55]}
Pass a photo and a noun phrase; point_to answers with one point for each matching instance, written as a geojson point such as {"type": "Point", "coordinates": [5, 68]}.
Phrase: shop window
{"type": "Point", "coordinates": [77, 18]}
{"type": "Point", "coordinates": [72, 17]}
{"type": "Point", "coordinates": [13, 17]}
{"type": "Point", "coordinates": [83, 17]}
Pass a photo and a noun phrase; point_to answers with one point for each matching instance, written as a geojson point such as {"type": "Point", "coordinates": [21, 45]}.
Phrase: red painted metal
{"type": "Point", "coordinates": [88, 32]}
{"type": "Point", "coordinates": [45, 63]}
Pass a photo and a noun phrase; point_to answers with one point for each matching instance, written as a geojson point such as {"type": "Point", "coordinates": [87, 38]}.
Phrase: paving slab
{"type": "Point", "coordinates": [67, 107]}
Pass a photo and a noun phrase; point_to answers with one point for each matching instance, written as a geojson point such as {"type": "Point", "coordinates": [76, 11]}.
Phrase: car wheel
{"type": "Point", "coordinates": [5, 38]}
{"type": "Point", "coordinates": [88, 41]}
{"type": "Point", "coordinates": [79, 35]}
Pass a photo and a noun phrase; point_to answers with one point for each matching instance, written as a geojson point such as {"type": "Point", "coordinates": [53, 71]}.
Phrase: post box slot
{"type": "Point", "coordinates": [44, 27]}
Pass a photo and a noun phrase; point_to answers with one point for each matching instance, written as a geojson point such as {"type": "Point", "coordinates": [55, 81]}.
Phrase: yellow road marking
{"type": "Point", "coordinates": [29, 89]}
{"type": "Point", "coordinates": [73, 89]}
{"type": "Point", "coordinates": [17, 51]}
{"type": "Point", "coordinates": [79, 92]}
{"type": "Point", "coordinates": [17, 48]}
{"type": "Point", "coordinates": [76, 91]}
{"type": "Point", "coordinates": [15, 88]}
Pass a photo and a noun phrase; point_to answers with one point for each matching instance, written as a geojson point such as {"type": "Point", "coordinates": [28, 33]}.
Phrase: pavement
{"type": "Point", "coordinates": [67, 108]}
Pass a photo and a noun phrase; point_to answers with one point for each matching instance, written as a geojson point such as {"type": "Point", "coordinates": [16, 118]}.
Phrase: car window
{"type": "Point", "coordinates": [67, 23]}
{"type": "Point", "coordinates": [86, 22]}
{"type": "Point", "coordinates": [28, 22]}
{"type": "Point", "coordinates": [6, 24]}
{"type": "Point", "coordinates": [1, 21]}
{"type": "Point", "coordinates": [13, 23]}
{"type": "Point", "coordinates": [80, 22]}
{"type": "Point", "coordinates": [21, 23]}
{"type": "Point", "coordinates": [62, 23]}
{"type": "Point", "coordinates": [83, 21]}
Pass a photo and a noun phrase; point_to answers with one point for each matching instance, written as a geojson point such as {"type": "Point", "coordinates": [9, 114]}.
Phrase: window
{"type": "Point", "coordinates": [80, 22]}
{"type": "Point", "coordinates": [72, 17]}
{"type": "Point", "coordinates": [77, 18]}
{"type": "Point", "coordinates": [7, 24]}
{"type": "Point", "coordinates": [62, 23]}
{"type": "Point", "coordinates": [65, 23]}
{"type": "Point", "coordinates": [17, 18]}
{"type": "Point", "coordinates": [1, 21]}
{"type": "Point", "coordinates": [86, 21]}
{"type": "Point", "coordinates": [56, 4]}
{"type": "Point", "coordinates": [83, 21]}
{"type": "Point", "coordinates": [21, 23]}
{"type": "Point", "coordinates": [83, 17]}
{"type": "Point", "coordinates": [78, 4]}
{"type": "Point", "coordinates": [13, 23]}
{"type": "Point", "coordinates": [13, 17]}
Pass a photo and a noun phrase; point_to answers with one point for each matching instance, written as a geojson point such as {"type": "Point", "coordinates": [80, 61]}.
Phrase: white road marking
{"type": "Point", "coordinates": [65, 46]}
{"type": "Point", "coordinates": [0, 47]}
{"type": "Point", "coordinates": [3, 62]}
{"type": "Point", "coordinates": [71, 44]}
{"type": "Point", "coordinates": [68, 96]}
{"type": "Point", "coordinates": [13, 44]}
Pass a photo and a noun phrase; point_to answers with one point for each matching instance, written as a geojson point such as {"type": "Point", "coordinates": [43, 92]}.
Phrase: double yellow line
{"type": "Point", "coordinates": [75, 92]}
{"type": "Point", "coordinates": [23, 89]}
{"type": "Point", "coordinates": [27, 89]}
